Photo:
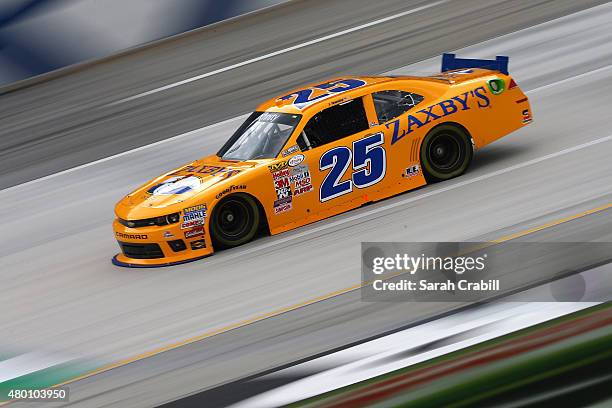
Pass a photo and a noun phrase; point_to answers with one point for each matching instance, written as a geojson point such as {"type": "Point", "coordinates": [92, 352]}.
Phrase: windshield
{"type": "Point", "coordinates": [261, 136]}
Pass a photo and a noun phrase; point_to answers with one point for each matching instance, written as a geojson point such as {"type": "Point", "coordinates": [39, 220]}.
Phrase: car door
{"type": "Point", "coordinates": [344, 156]}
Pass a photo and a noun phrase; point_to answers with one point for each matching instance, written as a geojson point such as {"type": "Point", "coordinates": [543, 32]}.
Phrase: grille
{"type": "Point", "coordinates": [141, 251]}
{"type": "Point", "coordinates": [148, 222]}
{"type": "Point", "coordinates": [144, 223]}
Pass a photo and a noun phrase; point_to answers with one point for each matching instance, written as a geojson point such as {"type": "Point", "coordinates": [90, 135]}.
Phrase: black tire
{"type": "Point", "coordinates": [446, 152]}
{"type": "Point", "coordinates": [234, 221]}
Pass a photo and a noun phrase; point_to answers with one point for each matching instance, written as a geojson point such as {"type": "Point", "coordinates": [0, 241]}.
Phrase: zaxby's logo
{"type": "Point", "coordinates": [465, 101]}
{"type": "Point", "coordinates": [206, 170]}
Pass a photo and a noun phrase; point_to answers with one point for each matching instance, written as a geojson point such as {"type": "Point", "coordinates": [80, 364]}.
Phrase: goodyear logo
{"type": "Point", "coordinates": [403, 126]}
{"type": "Point", "coordinates": [230, 189]}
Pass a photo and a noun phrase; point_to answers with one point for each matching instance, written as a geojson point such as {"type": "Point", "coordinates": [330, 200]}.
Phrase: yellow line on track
{"type": "Point", "coordinates": [551, 224]}
{"type": "Point", "coordinates": [280, 311]}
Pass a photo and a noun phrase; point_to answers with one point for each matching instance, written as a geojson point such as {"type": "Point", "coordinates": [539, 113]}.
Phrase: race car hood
{"type": "Point", "coordinates": [172, 191]}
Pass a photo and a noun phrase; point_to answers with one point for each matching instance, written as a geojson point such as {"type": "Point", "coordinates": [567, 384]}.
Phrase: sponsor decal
{"type": "Point", "coordinates": [199, 244]}
{"type": "Point", "coordinates": [404, 125]}
{"type": "Point", "coordinates": [199, 231]}
{"type": "Point", "coordinates": [284, 192]}
{"type": "Point", "coordinates": [269, 117]}
{"type": "Point", "coordinates": [131, 236]}
{"type": "Point", "coordinates": [289, 182]}
{"type": "Point", "coordinates": [230, 189]}
{"type": "Point", "coordinates": [194, 216]}
{"type": "Point", "coordinates": [302, 182]}
{"type": "Point", "coordinates": [340, 101]}
{"type": "Point", "coordinates": [305, 97]}
{"type": "Point", "coordinates": [175, 185]}
{"type": "Point", "coordinates": [277, 166]}
{"type": "Point", "coordinates": [302, 187]}
{"type": "Point", "coordinates": [412, 171]}
{"type": "Point", "coordinates": [291, 150]}
{"type": "Point", "coordinates": [281, 174]}
{"type": "Point", "coordinates": [282, 183]}
{"type": "Point", "coordinates": [191, 170]}
{"type": "Point", "coordinates": [168, 234]}
{"type": "Point", "coordinates": [191, 224]}
{"type": "Point", "coordinates": [526, 116]}
{"type": "Point", "coordinates": [496, 86]}
{"type": "Point", "coordinates": [197, 212]}
{"type": "Point", "coordinates": [295, 160]}
{"type": "Point", "coordinates": [282, 205]}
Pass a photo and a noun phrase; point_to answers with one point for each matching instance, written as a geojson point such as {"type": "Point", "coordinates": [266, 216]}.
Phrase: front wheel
{"type": "Point", "coordinates": [446, 152]}
{"type": "Point", "coordinates": [234, 221]}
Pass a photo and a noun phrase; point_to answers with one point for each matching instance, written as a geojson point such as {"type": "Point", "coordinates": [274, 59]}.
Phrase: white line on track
{"type": "Point", "coordinates": [562, 81]}
{"type": "Point", "coordinates": [127, 152]}
{"type": "Point", "coordinates": [280, 52]}
{"type": "Point", "coordinates": [366, 214]}
{"type": "Point", "coordinates": [182, 135]}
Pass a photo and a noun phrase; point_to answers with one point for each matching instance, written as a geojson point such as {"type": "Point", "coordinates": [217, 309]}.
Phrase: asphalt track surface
{"type": "Point", "coordinates": [60, 291]}
{"type": "Point", "coordinates": [73, 119]}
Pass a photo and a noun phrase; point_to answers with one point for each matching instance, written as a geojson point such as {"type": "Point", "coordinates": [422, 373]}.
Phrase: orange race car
{"type": "Point", "coordinates": [320, 151]}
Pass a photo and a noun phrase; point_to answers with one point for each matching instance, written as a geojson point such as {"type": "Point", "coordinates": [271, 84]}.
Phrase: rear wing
{"type": "Point", "coordinates": [450, 62]}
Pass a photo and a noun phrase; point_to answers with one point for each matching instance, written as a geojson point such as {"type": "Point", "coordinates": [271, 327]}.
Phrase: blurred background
{"type": "Point", "coordinates": [38, 36]}
{"type": "Point", "coordinates": [281, 319]}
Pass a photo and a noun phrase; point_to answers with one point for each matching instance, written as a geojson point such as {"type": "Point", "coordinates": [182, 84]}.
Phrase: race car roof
{"type": "Point", "coordinates": [297, 100]}
{"type": "Point", "coordinates": [335, 90]}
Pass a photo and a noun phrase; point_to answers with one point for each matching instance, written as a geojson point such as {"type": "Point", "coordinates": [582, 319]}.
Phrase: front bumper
{"type": "Point", "coordinates": [159, 246]}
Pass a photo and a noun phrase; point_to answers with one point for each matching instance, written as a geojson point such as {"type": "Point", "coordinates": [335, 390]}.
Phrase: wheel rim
{"type": "Point", "coordinates": [233, 219]}
{"type": "Point", "coordinates": [445, 153]}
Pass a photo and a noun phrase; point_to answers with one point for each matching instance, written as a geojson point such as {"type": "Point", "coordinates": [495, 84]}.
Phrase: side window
{"type": "Point", "coordinates": [334, 123]}
{"type": "Point", "coordinates": [391, 104]}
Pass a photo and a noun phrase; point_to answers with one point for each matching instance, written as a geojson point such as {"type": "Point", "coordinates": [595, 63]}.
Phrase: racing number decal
{"type": "Point", "coordinates": [370, 161]}
{"type": "Point", "coordinates": [305, 97]}
{"type": "Point", "coordinates": [338, 160]}
{"type": "Point", "coordinates": [369, 166]}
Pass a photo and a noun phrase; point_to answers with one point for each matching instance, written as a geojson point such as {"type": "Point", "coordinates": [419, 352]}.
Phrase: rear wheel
{"type": "Point", "coordinates": [446, 152]}
{"type": "Point", "coordinates": [234, 221]}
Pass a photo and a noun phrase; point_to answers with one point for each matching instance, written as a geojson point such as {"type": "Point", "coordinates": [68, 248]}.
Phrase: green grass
{"type": "Point", "coordinates": [476, 384]}
{"type": "Point", "coordinates": [45, 378]}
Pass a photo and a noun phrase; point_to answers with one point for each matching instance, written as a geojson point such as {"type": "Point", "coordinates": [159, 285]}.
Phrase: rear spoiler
{"type": "Point", "coordinates": [450, 62]}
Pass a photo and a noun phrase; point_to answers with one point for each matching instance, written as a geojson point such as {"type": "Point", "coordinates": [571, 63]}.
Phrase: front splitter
{"type": "Point", "coordinates": [127, 264]}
